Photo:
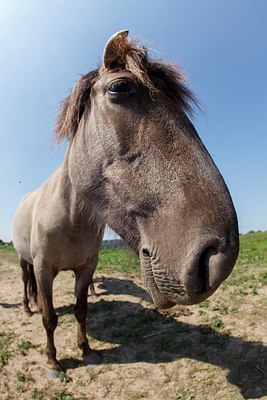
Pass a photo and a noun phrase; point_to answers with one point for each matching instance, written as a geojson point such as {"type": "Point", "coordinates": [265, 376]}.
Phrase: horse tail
{"type": "Point", "coordinates": [32, 283]}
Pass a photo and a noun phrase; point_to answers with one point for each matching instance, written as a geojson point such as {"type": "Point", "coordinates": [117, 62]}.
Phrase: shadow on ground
{"type": "Point", "coordinates": [117, 286]}
{"type": "Point", "coordinates": [12, 305]}
{"type": "Point", "coordinates": [146, 335]}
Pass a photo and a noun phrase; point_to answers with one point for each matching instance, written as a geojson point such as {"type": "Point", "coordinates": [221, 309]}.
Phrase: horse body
{"type": "Point", "coordinates": [53, 231]}
{"type": "Point", "coordinates": [53, 222]}
{"type": "Point", "coordinates": [134, 161]}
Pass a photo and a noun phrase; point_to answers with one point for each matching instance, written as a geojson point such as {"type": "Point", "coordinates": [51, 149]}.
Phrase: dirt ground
{"type": "Point", "coordinates": [215, 350]}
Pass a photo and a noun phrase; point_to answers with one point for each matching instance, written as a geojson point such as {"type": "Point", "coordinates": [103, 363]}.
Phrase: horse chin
{"type": "Point", "coordinates": [159, 300]}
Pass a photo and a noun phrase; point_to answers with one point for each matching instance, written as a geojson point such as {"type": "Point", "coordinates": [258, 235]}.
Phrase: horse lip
{"type": "Point", "coordinates": [162, 300]}
{"type": "Point", "coordinates": [159, 299]}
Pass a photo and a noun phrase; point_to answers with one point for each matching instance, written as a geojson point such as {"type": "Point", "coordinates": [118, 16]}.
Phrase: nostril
{"type": "Point", "coordinates": [204, 267]}
{"type": "Point", "coordinates": [146, 252]}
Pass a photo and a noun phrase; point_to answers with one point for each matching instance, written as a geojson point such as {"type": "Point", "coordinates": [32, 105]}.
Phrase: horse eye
{"type": "Point", "coordinates": [121, 87]}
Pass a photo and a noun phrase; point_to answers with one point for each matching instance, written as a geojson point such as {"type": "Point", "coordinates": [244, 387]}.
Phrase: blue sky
{"type": "Point", "coordinates": [221, 45]}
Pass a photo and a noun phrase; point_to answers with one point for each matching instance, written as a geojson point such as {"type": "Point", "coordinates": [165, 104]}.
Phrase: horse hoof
{"type": "Point", "coordinates": [29, 313]}
{"type": "Point", "coordinates": [92, 359]}
{"type": "Point", "coordinates": [52, 373]}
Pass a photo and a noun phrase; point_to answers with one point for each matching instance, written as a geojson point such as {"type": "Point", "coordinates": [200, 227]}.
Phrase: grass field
{"type": "Point", "coordinates": [213, 350]}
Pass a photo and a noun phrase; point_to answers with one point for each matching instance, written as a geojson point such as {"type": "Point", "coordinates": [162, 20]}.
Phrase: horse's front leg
{"type": "Point", "coordinates": [82, 280]}
{"type": "Point", "coordinates": [44, 278]}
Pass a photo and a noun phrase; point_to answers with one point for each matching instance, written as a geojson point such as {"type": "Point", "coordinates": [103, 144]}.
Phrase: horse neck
{"type": "Point", "coordinates": [75, 205]}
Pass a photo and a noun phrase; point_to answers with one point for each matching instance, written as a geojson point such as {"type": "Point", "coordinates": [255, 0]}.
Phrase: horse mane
{"type": "Point", "coordinates": [157, 76]}
{"type": "Point", "coordinates": [72, 108]}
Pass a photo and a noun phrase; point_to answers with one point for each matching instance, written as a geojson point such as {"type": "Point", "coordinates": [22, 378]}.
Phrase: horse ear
{"type": "Point", "coordinates": [114, 54]}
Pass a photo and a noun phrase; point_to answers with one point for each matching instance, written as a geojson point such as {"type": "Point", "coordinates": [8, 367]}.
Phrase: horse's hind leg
{"type": "Point", "coordinates": [25, 278]}
{"type": "Point", "coordinates": [32, 287]}
{"type": "Point", "coordinates": [92, 289]}
{"type": "Point", "coordinates": [82, 280]}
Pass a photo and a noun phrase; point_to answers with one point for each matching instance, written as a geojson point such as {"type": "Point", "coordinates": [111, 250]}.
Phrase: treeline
{"type": "Point", "coordinates": [6, 243]}
{"type": "Point", "coordinates": [106, 244]}
{"type": "Point", "coordinates": [113, 244]}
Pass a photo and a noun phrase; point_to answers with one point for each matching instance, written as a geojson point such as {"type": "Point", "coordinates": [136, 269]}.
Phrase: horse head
{"type": "Point", "coordinates": [136, 157]}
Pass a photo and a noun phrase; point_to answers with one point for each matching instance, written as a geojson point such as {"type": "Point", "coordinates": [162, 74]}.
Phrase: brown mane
{"type": "Point", "coordinates": [155, 75]}
{"type": "Point", "coordinates": [72, 108]}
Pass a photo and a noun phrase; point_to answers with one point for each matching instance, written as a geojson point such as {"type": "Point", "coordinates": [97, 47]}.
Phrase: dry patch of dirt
{"type": "Point", "coordinates": [215, 350]}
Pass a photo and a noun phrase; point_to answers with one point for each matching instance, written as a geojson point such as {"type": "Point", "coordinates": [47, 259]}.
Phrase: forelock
{"type": "Point", "coordinates": [157, 76]}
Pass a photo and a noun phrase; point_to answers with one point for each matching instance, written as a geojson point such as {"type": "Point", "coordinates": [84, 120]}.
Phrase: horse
{"type": "Point", "coordinates": [134, 161]}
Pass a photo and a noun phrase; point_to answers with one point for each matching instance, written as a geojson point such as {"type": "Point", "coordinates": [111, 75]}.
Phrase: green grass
{"type": "Point", "coordinates": [8, 252]}
{"type": "Point", "coordinates": [64, 378]}
{"type": "Point", "coordinates": [24, 346]}
{"type": "Point", "coordinates": [217, 323]}
{"type": "Point", "coordinates": [7, 246]}
{"type": "Point", "coordinates": [118, 260]}
{"type": "Point", "coordinates": [6, 340]}
{"type": "Point", "coordinates": [62, 395]}
{"type": "Point", "coordinates": [38, 394]}
{"type": "Point", "coordinates": [184, 394]}
{"type": "Point", "coordinates": [253, 249]}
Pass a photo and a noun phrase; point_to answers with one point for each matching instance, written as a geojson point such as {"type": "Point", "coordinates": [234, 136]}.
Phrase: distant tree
{"type": "Point", "coordinates": [113, 244]}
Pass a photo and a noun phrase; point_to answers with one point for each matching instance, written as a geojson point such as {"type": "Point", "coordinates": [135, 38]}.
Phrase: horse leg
{"type": "Point", "coordinates": [83, 278]}
{"type": "Point", "coordinates": [32, 287]}
{"type": "Point", "coordinates": [44, 280]}
{"type": "Point", "coordinates": [25, 278]}
{"type": "Point", "coordinates": [92, 289]}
